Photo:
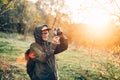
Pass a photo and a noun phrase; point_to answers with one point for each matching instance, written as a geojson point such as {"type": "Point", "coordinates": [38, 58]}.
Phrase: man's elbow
{"type": "Point", "coordinates": [66, 47]}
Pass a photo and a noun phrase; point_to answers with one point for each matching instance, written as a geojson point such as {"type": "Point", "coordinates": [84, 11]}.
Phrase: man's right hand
{"type": "Point", "coordinates": [55, 40]}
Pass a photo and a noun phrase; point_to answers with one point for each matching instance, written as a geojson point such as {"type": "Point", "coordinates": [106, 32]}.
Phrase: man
{"type": "Point", "coordinates": [41, 64]}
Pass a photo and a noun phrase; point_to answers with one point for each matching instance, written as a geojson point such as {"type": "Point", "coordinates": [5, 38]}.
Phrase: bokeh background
{"type": "Point", "coordinates": [92, 28]}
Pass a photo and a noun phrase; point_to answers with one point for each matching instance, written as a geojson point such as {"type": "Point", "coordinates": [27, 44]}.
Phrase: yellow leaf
{"type": "Point", "coordinates": [5, 2]}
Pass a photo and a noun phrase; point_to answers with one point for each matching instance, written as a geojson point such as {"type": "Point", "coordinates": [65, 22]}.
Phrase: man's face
{"type": "Point", "coordinates": [45, 34]}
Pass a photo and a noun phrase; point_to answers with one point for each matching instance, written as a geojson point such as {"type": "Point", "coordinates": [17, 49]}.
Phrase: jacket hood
{"type": "Point", "coordinates": [38, 33]}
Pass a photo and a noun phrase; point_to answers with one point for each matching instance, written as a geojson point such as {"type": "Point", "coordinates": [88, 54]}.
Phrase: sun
{"type": "Point", "coordinates": [94, 17]}
{"type": "Point", "coordinates": [98, 20]}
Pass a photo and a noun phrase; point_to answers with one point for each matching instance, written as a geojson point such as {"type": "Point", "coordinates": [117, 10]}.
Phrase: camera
{"type": "Point", "coordinates": [57, 31]}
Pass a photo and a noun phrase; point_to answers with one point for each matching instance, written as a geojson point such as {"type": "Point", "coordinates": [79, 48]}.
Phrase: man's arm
{"type": "Point", "coordinates": [38, 53]}
{"type": "Point", "coordinates": [63, 44]}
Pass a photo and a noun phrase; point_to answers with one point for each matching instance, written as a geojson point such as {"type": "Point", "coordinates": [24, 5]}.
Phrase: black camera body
{"type": "Point", "coordinates": [57, 31]}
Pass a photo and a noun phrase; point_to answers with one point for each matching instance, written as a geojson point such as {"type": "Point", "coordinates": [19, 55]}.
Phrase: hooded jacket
{"type": "Point", "coordinates": [43, 66]}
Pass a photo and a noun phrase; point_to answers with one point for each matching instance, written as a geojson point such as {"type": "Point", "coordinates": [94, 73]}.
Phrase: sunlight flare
{"type": "Point", "coordinates": [87, 12]}
{"type": "Point", "coordinates": [98, 23]}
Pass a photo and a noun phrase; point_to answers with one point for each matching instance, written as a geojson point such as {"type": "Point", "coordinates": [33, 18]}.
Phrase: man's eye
{"type": "Point", "coordinates": [44, 33]}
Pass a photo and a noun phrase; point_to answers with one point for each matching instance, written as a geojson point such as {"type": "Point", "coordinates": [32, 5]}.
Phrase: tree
{"type": "Point", "coordinates": [52, 11]}
{"type": "Point", "coordinates": [6, 6]}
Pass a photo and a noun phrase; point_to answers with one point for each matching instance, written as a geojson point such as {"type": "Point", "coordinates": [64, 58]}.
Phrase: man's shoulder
{"type": "Point", "coordinates": [33, 44]}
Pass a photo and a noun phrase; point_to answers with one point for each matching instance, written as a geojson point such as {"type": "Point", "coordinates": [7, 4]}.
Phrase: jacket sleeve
{"type": "Point", "coordinates": [39, 54]}
{"type": "Point", "coordinates": [63, 44]}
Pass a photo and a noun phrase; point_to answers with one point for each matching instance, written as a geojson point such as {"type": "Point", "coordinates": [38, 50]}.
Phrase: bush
{"type": "Point", "coordinates": [13, 73]}
{"type": "Point", "coordinates": [106, 71]}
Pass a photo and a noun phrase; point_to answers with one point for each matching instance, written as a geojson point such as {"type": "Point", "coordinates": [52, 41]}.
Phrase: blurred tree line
{"type": "Point", "coordinates": [21, 16]}
{"type": "Point", "coordinates": [17, 16]}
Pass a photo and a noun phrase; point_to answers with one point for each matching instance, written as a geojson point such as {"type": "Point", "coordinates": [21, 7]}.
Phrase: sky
{"type": "Point", "coordinates": [88, 11]}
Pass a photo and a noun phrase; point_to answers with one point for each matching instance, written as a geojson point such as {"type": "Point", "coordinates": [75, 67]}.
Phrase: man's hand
{"type": "Point", "coordinates": [55, 40]}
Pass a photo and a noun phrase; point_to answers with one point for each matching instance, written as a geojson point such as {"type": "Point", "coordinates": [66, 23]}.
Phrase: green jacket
{"type": "Point", "coordinates": [43, 66]}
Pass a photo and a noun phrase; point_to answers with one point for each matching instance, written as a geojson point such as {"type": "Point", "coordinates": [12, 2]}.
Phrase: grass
{"type": "Point", "coordinates": [12, 46]}
{"type": "Point", "coordinates": [73, 64]}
